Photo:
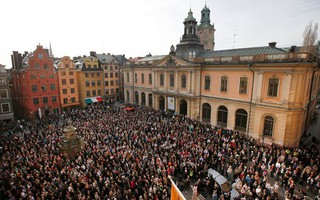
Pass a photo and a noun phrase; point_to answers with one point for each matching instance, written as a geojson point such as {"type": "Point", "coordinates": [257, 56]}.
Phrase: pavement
{"type": "Point", "coordinates": [313, 131]}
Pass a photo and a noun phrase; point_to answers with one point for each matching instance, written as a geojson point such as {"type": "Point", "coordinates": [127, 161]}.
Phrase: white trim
{"type": "Point", "coordinates": [2, 108]}
{"type": "Point", "coordinates": [6, 92]}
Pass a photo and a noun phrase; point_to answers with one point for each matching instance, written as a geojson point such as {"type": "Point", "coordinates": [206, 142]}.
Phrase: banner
{"type": "Point", "coordinates": [176, 194]}
{"type": "Point", "coordinates": [170, 103]}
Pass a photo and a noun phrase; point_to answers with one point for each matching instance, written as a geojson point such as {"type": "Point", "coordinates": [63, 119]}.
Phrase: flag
{"type": "Point", "coordinates": [176, 194]}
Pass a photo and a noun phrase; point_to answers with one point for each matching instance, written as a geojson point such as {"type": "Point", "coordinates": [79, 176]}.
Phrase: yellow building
{"type": "Point", "coordinates": [68, 84]}
{"type": "Point", "coordinates": [263, 92]}
{"type": "Point", "coordinates": [90, 80]}
{"type": "Point", "coordinates": [111, 72]}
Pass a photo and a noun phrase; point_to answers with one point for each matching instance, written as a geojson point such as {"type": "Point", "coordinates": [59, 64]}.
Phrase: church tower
{"type": "Point", "coordinates": [190, 44]}
{"type": "Point", "coordinates": [206, 30]}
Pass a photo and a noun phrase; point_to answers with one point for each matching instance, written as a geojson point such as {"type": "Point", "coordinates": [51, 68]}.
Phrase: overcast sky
{"type": "Point", "coordinates": [137, 27]}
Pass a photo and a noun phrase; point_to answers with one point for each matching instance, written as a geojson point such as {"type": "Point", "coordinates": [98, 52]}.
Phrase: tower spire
{"type": "Point", "coordinates": [50, 50]}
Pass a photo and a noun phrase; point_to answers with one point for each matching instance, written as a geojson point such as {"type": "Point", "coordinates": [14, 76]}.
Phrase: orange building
{"type": "Point", "coordinates": [267, 93]}
{"type": "Point", "coordinates": [68, 83]}
{"type": "Point", "coordinates": [90, 80]}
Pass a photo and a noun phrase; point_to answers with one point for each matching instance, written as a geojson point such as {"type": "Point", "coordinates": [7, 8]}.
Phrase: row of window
{"type": "Point", "coordinates": [5, 107]}
{"type": "Point", "coordinates": [92, 74]}
{"type": "Point", "coordinates": [143, 98]}
{"type": "Point", "coordinates": [93, 92]}
{"type": "Point", "coordinates": [37, 66]}
{"type": "Point", "coordinates": [224, 84]}
{"type": "Point", "coordinates": [116, 75]}
{"type": "Point", "coordinates": [243, 84]}
{"type": "Point", "coordinates": [34, 88]}
{"type": "Point", "coordinates": [111, 68]}
{"type": "Point", "coordinates": [142, 78]}
{"type": "Point", "coordinates": [112, 91]}
{"type": "Point", "coordinates": [69, 100]}
{"type": "Point", "coordinates": [42, 76]}
{"type": "Point", "coordinates": [65, 91]}
{"type": "Point", "coordinates": [93, 83]}
{"type": "Point", "coordinates": [111, 83]}
{"type": "Point", "coordinates": [45, 100]}
{"type": "Point", "coordinates": [63, 73]}
{"type": "Point", "coordinates": [64, 81]}
{"type": "Point", "coordinates": [241, 119]}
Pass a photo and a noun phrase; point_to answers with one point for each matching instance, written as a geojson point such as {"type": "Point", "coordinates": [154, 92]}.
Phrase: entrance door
{"type": "Point", "coordinates": [183, 107]}
{"type": "Point", "coordinates": [161, 103]}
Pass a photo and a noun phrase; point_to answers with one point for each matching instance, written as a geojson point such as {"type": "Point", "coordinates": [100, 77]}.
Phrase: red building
{"type": "Point", "coordinates": [35, 84]}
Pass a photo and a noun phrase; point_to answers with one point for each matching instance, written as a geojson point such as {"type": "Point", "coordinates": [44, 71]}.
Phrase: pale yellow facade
{"type": "Point", "coordinates": [90, 80]}
{"type": "Point", "coordinates": [265, 97]}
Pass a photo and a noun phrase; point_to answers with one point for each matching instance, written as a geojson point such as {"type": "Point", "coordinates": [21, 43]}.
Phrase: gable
{"type": "Point", "coordinates": [171, 61]}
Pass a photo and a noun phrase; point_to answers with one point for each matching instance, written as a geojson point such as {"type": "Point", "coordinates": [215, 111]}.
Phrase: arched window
{"type": "Point", "coordinates": [268, 126]}
{"type": "Point", "coordinates": [136, 97]}
{"type": "Point", "coordinates": [143, 99]}
{"type": "Point", "coordinates": [241, 120]}
{"type": "Point", "coordinates": [206, 112]}
{"type": "Point", "coordinates": [128, 96]}
{"type": "Point", "coordinates": [150, 100]}
{"type": "Point", "coordinates": [222, 116]}
{"type": "Point", "coordinates": [183, 107]}
{"type": "Point", "coordinates": [161, 103]}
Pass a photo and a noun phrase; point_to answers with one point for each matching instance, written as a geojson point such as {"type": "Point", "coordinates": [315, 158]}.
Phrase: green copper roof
{"type": "Point", "coordinates": [190, 16]}
{"type": "Point", "coordinates": [205, 8]}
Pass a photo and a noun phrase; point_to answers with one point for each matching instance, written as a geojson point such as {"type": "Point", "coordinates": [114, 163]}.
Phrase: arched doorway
{"type": "Point", "coordinates": [136, 97]}
{"type": "Point", "coordinates": [46, 112]}
{"type": "Point", "coordinates": [150, 100]}
{"type": "Point", "coordinates": [206, 112]}
{"type": "Point", "coordinates": [222, 116]}
{"type": "Point", "coordinates": [183, 107]}
{"type": "Point", "coordinates": [241, 120]}
{"type": "Point", "coordinates": [143, 99]}
{"type": "Point", "coordinates": [161, 103]}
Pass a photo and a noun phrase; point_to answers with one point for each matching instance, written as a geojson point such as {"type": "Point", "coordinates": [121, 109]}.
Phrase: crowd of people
{"type": "Point", "coordinates": [130, 155]}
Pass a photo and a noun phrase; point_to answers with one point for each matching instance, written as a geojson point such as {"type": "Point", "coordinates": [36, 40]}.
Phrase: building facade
{"type": "Point", "coordinates": [35, 85]}
{"type": "Point", "coordinates": [68, 83]}
{"type": "Point", "coordinates": [263, 92]}
{"type": "Point", "coordinates": [6, 109]}
{"type": "Point", "coordinates": [111, 73]}
{"type": "Point", "coordinates": [90, 80]}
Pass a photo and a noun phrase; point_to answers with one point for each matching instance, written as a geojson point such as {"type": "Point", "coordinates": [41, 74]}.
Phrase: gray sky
{"type": "Point", "coordinates": [137, 27]}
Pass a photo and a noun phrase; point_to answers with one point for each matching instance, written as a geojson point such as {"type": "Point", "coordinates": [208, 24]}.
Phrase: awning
{"type": "Point", "coordinates": [94, 100]}
{"type": "Point", "coordinates": [88, 100]}
{"type": "Point", "coordinates": [100, 99]}
{"type": "Point", "coordinates": [128, 108]}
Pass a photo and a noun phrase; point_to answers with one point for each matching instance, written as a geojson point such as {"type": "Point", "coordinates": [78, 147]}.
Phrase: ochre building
{"type": "Point", "coordinates": [68, 83]}
{"type": "Point", "coordinates": [263, 92]}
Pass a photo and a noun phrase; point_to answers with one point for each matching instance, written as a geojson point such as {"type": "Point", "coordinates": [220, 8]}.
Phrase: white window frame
{"type": "Point", "coordinates": [3, 81]}
{"type": "Point", "coordinates": [2, 108]}
{"type": "Point", "coordinates": [6, 92]}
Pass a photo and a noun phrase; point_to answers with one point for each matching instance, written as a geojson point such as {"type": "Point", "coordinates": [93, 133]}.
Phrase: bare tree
{"type": "Point", "coordinates": [310, 36]}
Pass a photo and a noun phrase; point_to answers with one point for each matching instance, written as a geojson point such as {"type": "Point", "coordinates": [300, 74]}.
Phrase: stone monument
{"type": "Point", "coordinates": [71, 144]}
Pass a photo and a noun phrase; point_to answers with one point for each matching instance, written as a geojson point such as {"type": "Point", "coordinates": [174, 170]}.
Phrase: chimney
{"type": "Point", "coordinates": [272, 44]}
{"type": "Point", "coordinates": [293, 48]}
{"type": "Point", "coordinates": [93, 53]}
